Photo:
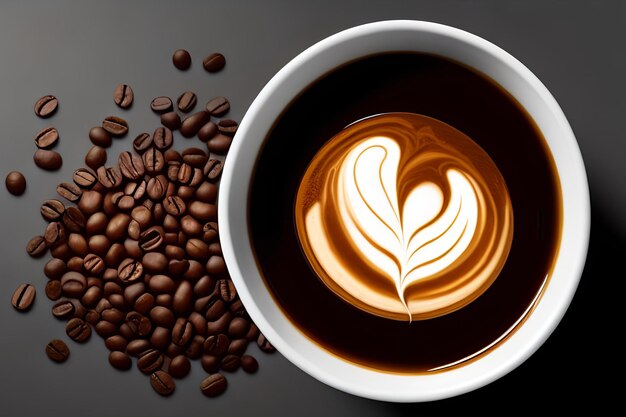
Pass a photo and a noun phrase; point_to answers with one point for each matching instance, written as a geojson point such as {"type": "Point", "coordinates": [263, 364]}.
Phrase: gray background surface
{"type": "Point", "coordinates": [79, 51]}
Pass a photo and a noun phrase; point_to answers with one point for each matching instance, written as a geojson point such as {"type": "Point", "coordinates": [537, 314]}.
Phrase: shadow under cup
{"type": "Point", "coordinates": [462, 98]}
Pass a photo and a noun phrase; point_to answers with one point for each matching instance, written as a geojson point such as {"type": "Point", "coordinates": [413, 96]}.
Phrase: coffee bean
{"type": "Point", "coordinates": [130, 270]}
{"type": "Point", "coordinates": [78, 330]}
{"type": "Point", "coordinates": [183, 298]}
{"type": "Point", "coordinates": [213, 169]}
{"type": "Point", "coordinates": [123, 96]}
{"type": "Point", "coordinates": [215, 308]}
{"type": "Point", "coordinates": [162, 316]}
{"type": "Point", "coordinates": [216, 345]}
{"type": "Point", "coordinates": [210, 363]}
{"type": "Point", "coordinates": [191, 125]}
{"type": "Point", "coordinates": [78, 244]}
{"type": "Point", "coordinates": [227, 126]}
{"type": "Point", "coordinates": [220, 143]}
{"type": "Point", "coordinates": [117, 227]}
{"type": "Point", "coordinates": [238, 328]}
{"type": "Point", "coordinates": [186, 102]}
{"type": "Point", "coordinates": [265, 344]}
{"type": "Point", "coordinates": [174, 205]}
{"type": "Point", "coordinates": [54, 268]}
{"type": "Point", "coordinates": [179, 366]}
{"type": "Point", "coordinates": [227, 289]}
{"type": "Point", "coordinates": [170, 120]}
{"type": "Point", "coordinates": [153, 160]}
{"type": "Point", "coordinates": [182, 332]}
{"type": "Point", "coordinates": [178, 267]}
{"type": "Point", "coordinates": [96, 157]}
{"type": "Point", "coordinates": [230, 363]}
{"type": "Point", "coordinates": [149, 361]}
{"type": "Point", "coordinates": [208, 131]}
{"type": "Point", "coordinates": [70, 192]}
{"type": "Point", "coordinates": [23, 297]}
{"type": "Point", "coordinates": [139, 324]}
{"type": "Point", "coordinates": [48, 160]}
{"type": "Point", "coordinates": [151, 239]}
{"type": "Point", "coordinates": [216, 266]}
{"type": "Point", "coordinates": [52, 210]}
{"type": "Point", "coordinates": [181, 59]}
{"type": "Point", "coordinates": [53, 290]}
{"type": "Point", "coordinates": [85, 178]}
{"type": "Point", "coordinates": [57, 350]}
{"type": "Point", "coordinates": [213, 385]}
{"type": "Point", "coordinates": [15, 183]}
{"type": "Point", "coordinates": [162, 383]}
{"type": "Point", "coordinates": [36, 246]}
{"type": "Point", "coordinates": [100, 137]}
{"type": "Point", "coordinates": [133, 291]}
{"type": "Point", "coordinates": [131, 165]}
{"type": "Point", "coordinates": [115, 343]}
{"type": "Point", "coordinates": [94, 264]}
{"type": "Point", "coordinates": [47, 138]}
{"type": "Point", "coordinates": [109, 177]}
{"type": "Point", "coordinates": [46, 106]}
{"type": "Point", "coordinates": [249, 364]}
{"type": "Point", "coordinates": [160, 338]}
{"type": "Point", "coordinates": [161, 105]}
{"type": "Point", "coordinates": [237, 347]}
{"type": "Point", "coordinates": [74, 284]}
{"type": "Point", "coordinates": [220, 325]}
{"type": "Point", "coordinates": [214, 62]}
{"type": "Point", "coordinates": [197, 249]}
{"type": "Point", "coordinates": [138, 347]}
{"type": "Point", "coordinates": [63, 309]}
{"type": "Point", "coordinates": [73, 219]}
{"type": "Point", "coordinates": [217, 106]}
{"type": "Point", "coordinates": [120, 360]}
{"type": "Point", "coordinates": [116, 126]}
{"type": "Point", "coordinates": [55, 234]}
{"type": "Point", "coordinates": [142, 142]}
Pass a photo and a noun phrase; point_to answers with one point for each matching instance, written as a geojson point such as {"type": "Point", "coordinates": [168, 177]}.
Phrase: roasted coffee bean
{"type": "Point", "coordinates": [113, 315]}
{"type": "Point", "coordinates": [36, 246]}
{"type": "Point", "coordinates": [100, 137]}
{"type": "Point", "coordinates": [54, 290]}
{"type": "Point", "coordinates": [230, 363]}
{"type": "Point", "coordinates": [116, 126]}
{"type": "Point", "coordinates": [220, 325]}
{"type": "Point", "coordinates": [208, 131]}
{"type": "Point", "coordinates": [186, 102]}
{"type": "Point", "coordinates": [178, 267]}
{"type": "Point", "coordinates": [93, 264]}
{"type": "Point", "coordinates": [74, 284]}
{"type": "Point", "coordinates": [92, 317]}
{"type": "Point", "coordinates": [15, 183]}
{"type": "Point", "coordinates": [120, 360]}
{"type": "Point", "coordinates": [139, 324]}
{"type": "Point", "coordinates": [160, 338]}
{"type": "Point", "coordinates": [123, 96]}
{"type": "Point", "coordinates": [218, 106]}
{"type": "Point", "coordinates": [109, 177]}
{"type": "Point", "coordinates": [133, 291]}
{"type": "Point", "coordinates": [153, 160]}
{"type": "Point", "coordinates": [265, 344]}
{"type": "Point", "coordinates": [46, 106]}
{"type": "Point", "coordinates": [185, 174]}
{"type": "Point", "coordinates": [198, 322]}
{"type": "Point", "coordinates": [249, 364]}
{"type": "Point", "coordinates": [182, 332]}
{"type": "Point", "coordinates": [142, 215]}
{"type": "Point", "coordinates": [52, 210]}
{"type": "Point", "coordinates": [116, 343]}
{"type": "Point", "coordinates": [47, 138]}
{"type": "Point", "coordinates": [131, 165]}
{"type": "Point", "coordinates": [181, 59]}
{"type": "Point", "coordinates": [174, 205]}
{"type": "Point", "coordinates": [63, 309]}
{"type": "Point", "coordinates": [204, 286]}
{"type": "Point", "coordinates": [214, 62]}
{"type": "Point", "coordinates": [216, 345]}
{"type": "Point", "coordinates": [92, 296]}
{"type": "Point", "coordinates": [194, 350]}
{"type": "Point", "coordinates": [142, 142]}
{"type": "Point", "coordinates": [216, 265]}
{"type": "Point", "coordinates": [151, 239]}
{"type": "Point", "coordinates": [162, 383]}
{"type": "Point", "coordinates": [213, 385]}
{"type": "Point", "coordinates": [73, 219]}
{"type": "Point", "coordinates": [55, 234]}
{"type": "Point", "coordinates": [138, 347]}
{"type": "Point", "coordinates": [161, 104]}
{"type": "Point", "coordinates": [179, 366]}
{"type": "Point", "coordinates": [213, 169]}
{"type": "Point", "coordinates": [162, 316]}
{"type": "Point", "coordinates": [84, 177]}
{"type": "Point", "coordinates": [227, 126]}
{"type": "Point", "coordinates": [149, 361]}
{"type": "Point", "coordinates": [154, 262]}
{"type": "Point", "coordinates": [197, 249]}
{"type": "Point", "coordinates": [130, 270]}
{"type": "Point", "coordinates": [238, 328]}
{"type": "Point", "coordinates": [54, 268]}
{"type": "Point", "coordinates": [96, 157]}
{"type": "Point", "coordinates": [70, 192]}
{"type": "Point", "coordinates": [78, 330]}
{"type": "Point", "coordinates": [192, 124]}
{"type": "Point", "coordinates": [214, 308]}
{"type": "Point", "coordinates": [190, 226]}
{"type": "Point", "coordinates": [75, 263]}
{"type": "Point", "coordinates": [237, 347]}
{"type": "Point", "coordinates": [57, 350]}
{"type": "Point", "coordinates": [210, 363]}
{"type": "Point", "coordinates": [78, 244]}
{"type": "Point", "coordinates": [23, 297]}
{"type": "Point", "coordinates": [105, 329]}
{"type": "Point", "coordinates": [156, 187]}
{"type": "Point", "coordinates": [118, 225]}
{"type": "Point", "coordinates": [100, 245]}
{"type": "Point", "coordinates": [132, 248]}
{"type": "Point", "coordinates": [90, 202]}
{"type": "Point", "coordinates": [220, 143]}
{"type": "Point", "coordinates": [227, 289]}
{"type": "Point", "coordinates": [79, 310]}
{"type": "Point", "coordinates": [171, 120]}
{"type": "Point", "coordinates": [136, 189]}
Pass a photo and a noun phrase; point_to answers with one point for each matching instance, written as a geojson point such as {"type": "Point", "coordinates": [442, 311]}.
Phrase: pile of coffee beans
{"type": "Point", "coordinates": [135, 246]}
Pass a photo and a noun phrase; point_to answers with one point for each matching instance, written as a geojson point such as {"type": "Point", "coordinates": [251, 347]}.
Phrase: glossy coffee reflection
{"type": "Point", "coordinates": [405, 217]}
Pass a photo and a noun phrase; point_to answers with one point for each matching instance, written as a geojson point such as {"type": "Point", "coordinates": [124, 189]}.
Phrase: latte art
{"type": "Point", "coordinates": [404, 217]}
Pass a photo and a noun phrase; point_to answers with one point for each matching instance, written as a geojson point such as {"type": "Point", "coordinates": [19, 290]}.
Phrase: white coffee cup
{"type": "Point", "coordinates": [426, 37]}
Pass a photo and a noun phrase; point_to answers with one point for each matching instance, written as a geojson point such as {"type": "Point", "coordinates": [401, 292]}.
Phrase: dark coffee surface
{"type": "Point", "coordinates": [443, 90]}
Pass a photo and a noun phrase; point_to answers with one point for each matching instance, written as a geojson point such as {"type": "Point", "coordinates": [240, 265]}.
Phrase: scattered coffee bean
{"type": "Point", "coordinates": [54, 269]}
{"type": "Point", "coordinates": [96, 157]}
{"type": "Point", "coordinates": [170, 120]}
{"type": "Point", "coordinates": [23, 297]}
{"type": "Point", "coordinates": [249, 364]}
{"type": "Point", "coordinates": [120, 360]}
{"type": "Point", "coordinates": [230, 363]}
{"type": "Point", "coordinates": [227, 126]}
{"type": "Point", "coordinates": [162, 383]}
{"type": "Point", "coordinates": [36, 246]}
{"type": "Point", "coordinates": [130, 270]}
{"type": "Point", "coordinates": [142, 142]}
{"type": "Point", "coordinates": [192, 124]}
{"type": "Point", "coordinates": [179, 366]}
{"type": "Point", "coordinates": [47, 138]}
{"type": "Point", "coordinates": [214, 62]}
{"type": "Point", "coordinates": [116, 126]}
{"type": "Point", "coordinates": [153, 160]}
{"type": "Point", "coordinates": [109, 177]}
{"type": "Point", "coordinates": [219, 144]}
{"type": "Point", "coordinates": [123, 96]}
{"type": "Point", "coordinates": [213, 169]}
{"type": "Point", "coordinates": [163, 138]}
{"type": "Point", "coordinates": [69, 191]}
{"type": "Point", "coordinates": [100, 137]}
{"type": "Point", "coordinates": [265, 344]}
{"type": "Point", "coordinates": [74, 284]}
{"type": "Point", "coordinates": [208, 131]}
{"type": "Point", "coordinates": [54, 290]}
{"type": "Point", "coordinates": [181, 59]}
{"type": "Point", "coordinates": [186, 102]}
{"type": "Point", "coordinates": [131, 165]}
{"type": "Point", "coordinates": [78, 330]}
{"type": "Point", "coordinates": [73, 219]}
{"type": "Point", "coordinates": [85, 178]}
{"type": "Point", "coordinates": [161, 105]}
{"type": "Point", "coordinates": [214, 385]}
{"type": "Point", "coordinates": [46, 106]}
{"type": "Point", "coordinates": [55, 234]}
{"type": "Point", "coordinates": [48, 160]}
{"type": "Point", "coordinates": [15, 183]}
{"type": "Point", "coordinates": [218, 106]}
{"type": "Point", "coordinates": [57, 350]}
{"type": "Point", "coordinates": [150, 361]}
{"type": "Point", "coordinates": [63, 309]}
{"type": "Point", "coordinates": [52, 210]}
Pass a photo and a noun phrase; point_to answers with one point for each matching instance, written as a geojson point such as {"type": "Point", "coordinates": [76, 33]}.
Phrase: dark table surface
{"type": "Point", "coordinates": [79, 51]}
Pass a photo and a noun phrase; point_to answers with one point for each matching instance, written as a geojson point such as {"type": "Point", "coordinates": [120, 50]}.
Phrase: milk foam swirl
{"type": "Point", "coordinates": [405, 217]}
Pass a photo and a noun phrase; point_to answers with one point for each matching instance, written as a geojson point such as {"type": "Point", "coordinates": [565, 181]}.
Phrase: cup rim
{"type": "Point", "coordinates": [527, 338]}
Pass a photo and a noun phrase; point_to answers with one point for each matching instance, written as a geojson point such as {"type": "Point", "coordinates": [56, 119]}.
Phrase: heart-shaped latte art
{"type": "Point", "coordinates": [404, 217]}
